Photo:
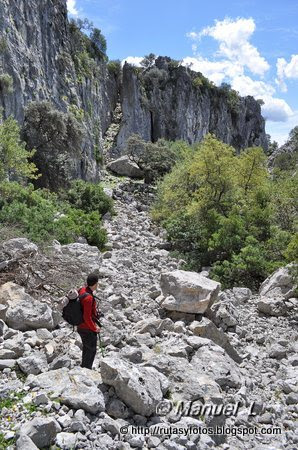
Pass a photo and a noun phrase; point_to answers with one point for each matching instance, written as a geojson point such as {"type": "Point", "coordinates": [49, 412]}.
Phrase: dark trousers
{"type": "Point", "coordinates": [89, 341]}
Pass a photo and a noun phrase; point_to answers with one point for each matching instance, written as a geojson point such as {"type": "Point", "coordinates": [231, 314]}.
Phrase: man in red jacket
{"type": "Point", "coordinates": [89, 329]}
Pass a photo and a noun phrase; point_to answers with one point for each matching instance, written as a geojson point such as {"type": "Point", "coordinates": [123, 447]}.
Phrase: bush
{"type": "Point", "coordinates": [154, 159]}
{"type": "Point", "coordinates": [114, 67]}
{"type": "Point", "coordinates": [43, 216]}
{"type": "Point", "coordinates": [57, 138]}
{"type": "Point", "coordinates": [6, 83]}
{"type": "Point", "coordinates": [222, 210]}
{"type": "Point", "coordinates": [14, 158]}
{"type": "Point", "coordinates": [89, 197]}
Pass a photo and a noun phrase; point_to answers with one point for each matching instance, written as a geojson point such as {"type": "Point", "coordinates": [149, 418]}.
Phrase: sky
{"type": "Point", "coordinates": [250, 44]}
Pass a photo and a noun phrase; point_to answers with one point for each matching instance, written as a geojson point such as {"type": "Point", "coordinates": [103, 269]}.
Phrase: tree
{"type": "Point", "coordinates": [148, 60]}
{"type": "Point", "coordinates": [98, 40]}
{"type": "Point", "coordinates": [14, 158]}
{"type": "Point", "coordinates": [154, 159]}
{"type": "Point", "coordinates": [57, 138]}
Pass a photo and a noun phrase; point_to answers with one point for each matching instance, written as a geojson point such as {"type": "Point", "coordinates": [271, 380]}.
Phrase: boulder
{"type": "Point", "coordinates": [77, 388]}
{"type": "Point", "coordinates": [142, 388]}
{"type": "Point", "coordinates": [33, 364]}
{"type": "Point", "coordinates": [123, 166]}
{"type": "Point", "coordinates": [41, 430]}
{"type": "Point", "coordinates": [280, 283]}
{"type": "Point", "coordinates": [272, 306]}
{"type": "Point", "coordinates": [188, 292]}
{"type": "Point", "coordinates": [25, 443]}
{"type": "Point", "coordinates": [206, 329]}
{"type": "Point", "coordinates": [66, 441]}
{"type": "Point", "coordinates": [218, 366]}
{"type": "Point", "coordinates": [23, 312]}
{"type": "Point", "coordinates": [19, 247]}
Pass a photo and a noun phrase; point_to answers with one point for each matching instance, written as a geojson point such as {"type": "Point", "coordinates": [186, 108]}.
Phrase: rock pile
{"type": "Point", "coordinates": [170, 336]}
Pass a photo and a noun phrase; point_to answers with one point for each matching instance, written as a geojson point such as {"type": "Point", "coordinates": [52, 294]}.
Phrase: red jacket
{"type": "Point", "coordinates": [89, 310]}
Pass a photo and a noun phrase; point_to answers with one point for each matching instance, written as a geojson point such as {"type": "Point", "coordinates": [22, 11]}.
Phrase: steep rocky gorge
{"type": "Point", "coordinates": [164, 101]}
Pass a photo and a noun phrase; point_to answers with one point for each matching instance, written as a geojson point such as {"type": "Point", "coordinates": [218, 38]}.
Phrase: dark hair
{"type": "Point", "coordinates": [92, 279]}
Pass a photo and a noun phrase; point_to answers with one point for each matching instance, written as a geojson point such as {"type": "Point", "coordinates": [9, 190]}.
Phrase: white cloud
{"type": "Point", "coordinates": [233, 37]}
{"type": "Point", "coordinates": [133, 60]}
{"type": "Point", "coordinates": [279, 131]}
{"type": "Point", "coordinates": [234, 56]}
{"type": "Point", "coordinates": [276, 109]}
{"type": "Point", "coordinates": [71, 7]}
{"type": "Point", "coordinates": [286, 70]}
{"type": "Point", "coordinates": [247, 86]}
{"type": "Point", "coordinates": [216, 71]}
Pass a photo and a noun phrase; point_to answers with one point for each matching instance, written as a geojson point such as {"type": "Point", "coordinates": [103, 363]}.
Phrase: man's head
{"type": "Point", "coordinates": [92, 281]}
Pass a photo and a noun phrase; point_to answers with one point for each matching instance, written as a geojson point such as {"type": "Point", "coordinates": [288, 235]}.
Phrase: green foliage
{"type": "Point", "coordinates": [232, 96]}
{"type": "Point", "coordinates": [89, 197]}
{"type": "Point", "coordinates": [3, 44]}
{"type": "Point", "coordinates": [114, 67]}
{"type": "Point", "coordinates": [223, 210]}
{"type": "Point", "coordinates": [6, 83]}
{"type": "Point", "coordinates": [44, 216]}
{"type": "Point", "coordinates": [87, 46]}
{"type": "Point", "coordinates": [14, 158]}
{"type": "Point", "coordinates": [154, 159]}
{"type": "Point", "coordinates": [6, 443]}
{"type": "Point", "coordinates": [99, 41]}
{"type": "Point", "coordinates": [56, 136]}
{"type": "Point", "coordinates": [148, 60]}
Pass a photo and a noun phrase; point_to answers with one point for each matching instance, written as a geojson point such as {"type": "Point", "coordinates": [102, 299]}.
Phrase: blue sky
{"type": "Point", "coordinates": [248, 43]}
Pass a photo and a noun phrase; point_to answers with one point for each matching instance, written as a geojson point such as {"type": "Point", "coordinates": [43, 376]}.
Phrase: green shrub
{"type": "Point", "coordinates": [114, 67]}
{"type": "Point", "coordinates": [223, 210]}
{"type": "Point", "coordinates": [6, 83]}
{"type": "Point", "coordinates": [89, 197]}
{"type": "Point", "coordinates": [43, 216]}
{"type": "Point", "coordinates": [14, 158]}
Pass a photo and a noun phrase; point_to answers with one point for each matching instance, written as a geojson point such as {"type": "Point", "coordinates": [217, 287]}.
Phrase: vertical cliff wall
{"type": "Point", "coordinates": [39, 61]}
{"type": "Point", "coordinates": [172, 102]}
{"type": "Point", "coordinates": [35, 46]}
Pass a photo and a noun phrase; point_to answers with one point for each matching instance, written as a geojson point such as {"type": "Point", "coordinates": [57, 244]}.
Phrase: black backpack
{"type": "Point", "coordinates": [73, 311]}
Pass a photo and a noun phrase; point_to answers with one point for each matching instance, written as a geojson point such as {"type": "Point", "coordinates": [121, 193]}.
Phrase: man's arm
{"type": "Point", "coordinates": [88, 303]}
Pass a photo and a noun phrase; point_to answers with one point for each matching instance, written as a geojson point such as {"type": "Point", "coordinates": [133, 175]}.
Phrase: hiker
{"type": "Point", "coordinates": [89, 329]}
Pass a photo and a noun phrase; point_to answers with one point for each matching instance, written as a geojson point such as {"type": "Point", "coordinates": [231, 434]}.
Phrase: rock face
{"type": "Point", "coordinates": [188, 291]}
{"type": "Point", "coordinates": [147, 107]}
{"type": "Point", "coordinates": [161, 102]}
{"type": "Point", "coordinates": [37, 44]}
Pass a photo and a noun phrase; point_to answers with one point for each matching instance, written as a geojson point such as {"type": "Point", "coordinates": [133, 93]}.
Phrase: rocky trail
{"type": "Point", "coordinates": [240, 352]}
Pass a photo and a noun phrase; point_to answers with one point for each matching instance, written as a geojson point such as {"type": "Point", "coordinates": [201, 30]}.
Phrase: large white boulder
{"type": "Point", "coordinates": [21, 311]}
{"type": "Point", "coordinates": [280, 283]}
{"type": "Point", "coordinates": [188, 292]}
{"type": "Point", "coordinates": [19, 247]}
{"type": "Point", "coordinates": [142, 388]}
{"type": "Point", "coordinates": [77, 388]}
{"type": "Point", "coordinates": [123, 166]}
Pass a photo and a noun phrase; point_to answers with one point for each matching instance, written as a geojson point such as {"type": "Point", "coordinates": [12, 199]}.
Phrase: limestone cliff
{"type": "Point", "coordinates": [172, 102]}
{"type": "Point", "coordinates": [38, 62]}
{"type": "Point", "coordinates": [36, 52]}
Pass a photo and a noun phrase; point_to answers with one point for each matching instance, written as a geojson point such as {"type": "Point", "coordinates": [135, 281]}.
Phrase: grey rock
{"type": "Point", "coordinates": [17, 248]}
{"type": "Point", "coordinates": [65, 441]}
{"type": "Point", "coordinates": [207, 329]}
{"type": "Point", "coordinates": [123, 166]}
{"type": "Point", "coordinates": [25, 443]}
{"type": "Point", "coordinates": [42, 431]}
{"type": "Point", "coordinates": [33, 364]}
{"type": "Point", "coordinates": [142, 388]}
{"type": "Point", "coordinates": [280, 283]}
{"type": "Point", "coordinates": [188, 291]}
